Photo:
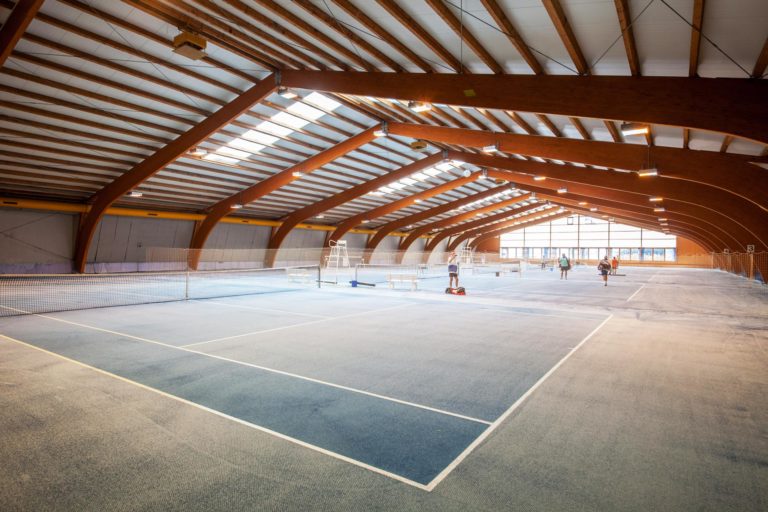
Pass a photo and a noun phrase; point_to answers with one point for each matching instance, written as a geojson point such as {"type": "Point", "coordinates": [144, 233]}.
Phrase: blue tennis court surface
{"type": "Point", "coordinates": [401, 385]}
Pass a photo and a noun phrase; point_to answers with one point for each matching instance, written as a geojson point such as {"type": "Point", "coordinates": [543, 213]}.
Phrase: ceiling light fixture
{"type": "Point", "coordinates": [298, 174]}
{"type": "Point", "coordinates": [583, 203]}
{"type": "Point", "coordinates": [197, 152]}
{"type": "Point", "coordinates": [236, 206]}
{"type": "Point", "coordinates": [634, 129]}
{"type": "Point", "coordinates": [659, 209]}
{"type": "Point", "coordinates": [656, 199]}
{"type": "Point", "coordinates": [191, 46]}
{"type": "Point", "coordinates": [593, 209]}
{"type": "Point", "coordinates": [663, 219]}
{"type": "Point", "coordinates": [539, 178]}
{"type": "Point", "coordinates": [135, 193]}
{"type": "Point", "coordinates": [493, 148]}
{"type": "Point", "coordinates": [643, 173]}
{"type": "Point", "coordinates": [381, 131]}
{"type": "Point", "coordinates": [321, 216]}
{"type": "Point", "coordinates": [287, 93]}
{"type": "Point", "coordinates": [562, 190]}
{"type": "Point", "coordinates": [419, 106]}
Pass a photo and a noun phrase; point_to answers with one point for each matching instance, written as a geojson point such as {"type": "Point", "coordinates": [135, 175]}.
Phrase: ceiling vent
{"type": "Point", "coordinates": [191, 46]}
{"type": "Point", "coordinates": [418, 145]}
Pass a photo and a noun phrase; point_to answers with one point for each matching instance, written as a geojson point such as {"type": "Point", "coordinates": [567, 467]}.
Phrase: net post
{"type": "Point", "coordinates": [186, 285]}
{"type": "Point", "coordinates": [319, 276]}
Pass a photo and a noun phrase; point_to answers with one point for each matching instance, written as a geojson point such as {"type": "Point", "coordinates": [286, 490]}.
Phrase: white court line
{"type": "Point", "coordinates": [283, 327]}
{"type": "Point", "coordinates": [463, 455]}
{"type": "Point", "coordinates": [636, 292]}
{"type": "Point", "coordinates": [232, 418]}
{"type": "Point", "coordinates": [483, 301]}
{"type": "Point", "coordinates": [273, 370]}
{"type": "Point", "coordinates": [254, 308]}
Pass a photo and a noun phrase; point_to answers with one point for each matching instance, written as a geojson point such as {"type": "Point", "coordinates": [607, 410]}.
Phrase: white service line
{"type": "Point", "coordinates": [636, 292]}
{"type": "Point", "coordinates": [293, 440]}
{"type": "Point", "coordinates": [254, 308]}
{"type": "Point", "coordinates": [283, 327]}
{"type": "Point", "coordinates": [469, 449]}
{"type": "Point", "coordinates": [273, 370]}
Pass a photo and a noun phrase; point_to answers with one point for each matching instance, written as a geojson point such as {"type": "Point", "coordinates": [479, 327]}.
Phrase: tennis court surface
{"type": "Point", "coordinates": [529, 390]}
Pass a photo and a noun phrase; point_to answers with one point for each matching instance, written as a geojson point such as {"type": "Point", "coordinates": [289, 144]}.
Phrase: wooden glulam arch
{"type": "Point", "coordinates": [727, 172]}
{"type": "Point", "coordinates": [302, 214]}
{"type": "Point", "coordinates": [386, 209]}
{"type": "Point", "coordinates": [476, 224]}
{"type": "Point", "coordinates": [629, 211]}
{"type": "Point", "coordinates": [158, 160]}
{"type": "Point", "coordinates": [503, 227]}
{"type": "Point", "coordinates": [389, 227]}
{"type": "Point", "coordinates": [742, 217]}
{"type": "Point", "coordinates": [696, 103]}
{"type": "Point", "coordinates": [224, 207]}
{"type": "Point", "coordinates": [706, 218]}
{"type": "Point", "coordinates": [627, 218]}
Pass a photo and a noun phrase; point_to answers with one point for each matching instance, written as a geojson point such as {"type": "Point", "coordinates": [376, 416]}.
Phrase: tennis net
{"type": "Point", "coordinates": [34, 294]}
{"type": "Point", "coordinates": [377, 273]}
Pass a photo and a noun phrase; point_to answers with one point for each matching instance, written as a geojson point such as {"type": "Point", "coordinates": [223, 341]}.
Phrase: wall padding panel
{"type": "Point", "coordinates": [238, 236]}
{"type": "Point", "coordinates": [121, 244]}
{"type": "Point", "coordinates": [36, 242]}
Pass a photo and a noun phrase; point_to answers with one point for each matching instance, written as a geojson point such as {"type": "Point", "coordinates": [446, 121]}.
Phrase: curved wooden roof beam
{"type": "Point", "coordinates": [502, 227]}
{"type": "Point", "coordinates": [302, 214]}
{"type": "Point", "coordinates": [728, 172]}
{"type": "Point", "coordinates": [475, 224]}
{"type": "Point", "coordinates": [651, 222]}
{"type": "Point", "coordinates": [694, 224]}
{"type": "Point", "coordinates": [386, 209]}
{"type": "Point", "coordinates": [595, 188]}
{"type": "Point", "coordinates": [684, 232]}
{"type": "Point", "coordinates": [14, 27]}
{"type": "Point", "coordinates": [698, 103]}
{"type": "Point", "coordinates": [394, 225]}
{"type": "Point", "coordinates": [407, 241]}
{"type": "Point", "coordinates": [625, 219]}
{"type": "Point", "coordinates": [224, 207]}
{"type": "Point", "coordinates": [587, 198]}
{"type": "Point", "coordinates": [157, 161]}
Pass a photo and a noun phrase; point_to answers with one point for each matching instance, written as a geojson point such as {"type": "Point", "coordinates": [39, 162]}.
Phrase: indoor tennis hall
{"type": "Point", "coordinates": [358, 255]}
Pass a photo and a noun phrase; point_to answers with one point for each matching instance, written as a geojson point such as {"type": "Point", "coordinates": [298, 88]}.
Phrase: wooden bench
{"type": "Point", "coordinates": [403, 278]}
